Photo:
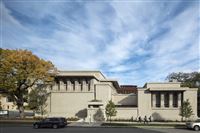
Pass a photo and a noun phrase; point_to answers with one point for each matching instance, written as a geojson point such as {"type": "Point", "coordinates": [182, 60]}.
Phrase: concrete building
{"type": "Point", "coordinates": [81, 93]}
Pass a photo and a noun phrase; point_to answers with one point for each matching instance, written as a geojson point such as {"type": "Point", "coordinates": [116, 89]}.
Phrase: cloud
{"type": "Point", "coordinates": [133, 42]}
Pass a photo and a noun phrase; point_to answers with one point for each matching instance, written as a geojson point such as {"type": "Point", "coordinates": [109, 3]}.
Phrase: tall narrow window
{"type": "Point", "coordinates": [158, 100]}
{"type": "Point", "coordinates": [175, 100]}
{"type": "Point", "coordinates": [166, 100]}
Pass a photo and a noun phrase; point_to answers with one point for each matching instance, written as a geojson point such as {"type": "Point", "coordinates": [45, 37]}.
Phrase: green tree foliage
{"type": "Point", "coordinates": [191, 80]}
{"type": "Point", "coordinates": [37, 99]}
{"type": "Point", "coordinates": [110, 110]}
{"type": "Point", "coordinates": [186, 110]}
{"type": "Point", "coordinates": [21, 70]}
{"type": "Point", "coordinates": [98, 116]}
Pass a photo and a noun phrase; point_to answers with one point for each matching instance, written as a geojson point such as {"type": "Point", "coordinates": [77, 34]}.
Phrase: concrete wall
{"type": "Point", "coordinates": [162, 113]}
{"type": "Point", "coordinates": [164, 84]}
{"type": "Point", "coordinates": [191, 94]}
{"type": "Point", "coordinates": [126, 113]}
{"type": "Point", "coordinates": [125, 99]}
{"type": "Point", "coordinates": [103, 92]}
{"type": "Point", "coordinates": [144, 102]}
{"type": "Point", "coordinates": [69, 104]}
{"type": "Point", "coordinates": [165, 114]}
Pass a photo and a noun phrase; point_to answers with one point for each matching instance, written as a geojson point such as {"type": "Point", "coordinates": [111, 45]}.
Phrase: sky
{"type": "Point", "coordinates": [131, 41]}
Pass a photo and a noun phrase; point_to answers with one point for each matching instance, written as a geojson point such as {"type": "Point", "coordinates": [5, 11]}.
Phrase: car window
{"type": "Point", "coordinates": [63, 119]}
{"type": "Point", "coordinates": [54, 119]}
{"type": "Point", "coordinates": [197, 120]}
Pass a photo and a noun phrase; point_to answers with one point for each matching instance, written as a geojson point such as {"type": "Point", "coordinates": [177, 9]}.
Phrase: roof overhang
{"type": "Point", "coordinates": [167, 89]}
{"type": "Point", "coordinates": [115, 82]}
{"type": "Point", "coordinates": [96, 74]}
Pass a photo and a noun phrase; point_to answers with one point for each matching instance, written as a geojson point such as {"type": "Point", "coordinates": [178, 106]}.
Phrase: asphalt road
{"type": "Point", "coordinates": [29, 129]}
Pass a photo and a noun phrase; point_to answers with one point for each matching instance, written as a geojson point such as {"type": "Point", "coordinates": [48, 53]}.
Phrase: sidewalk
{"type": "Point", "coordinates": [178, 123]}
{"type": "Point", "coordinates": [142, 125]}
{"type": "Point", "coordinates": [84, 124]}
{"type": "Point", "coordinates": [130, 124]}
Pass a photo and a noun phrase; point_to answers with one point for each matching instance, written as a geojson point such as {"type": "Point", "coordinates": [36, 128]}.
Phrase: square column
{"type": "Point", "coordinates": [162, 98]}
{"type": "Point", "coordinates": [170, 100]}
{"type": "Point", "coordinates": [69, 86]}
{"type": "Point", "coordinates": [153, 100]}
{"type": "Point", "coordinates": [179, 99]}
{"type": "Point", "coordinates": [55, 87]}
{"type": "Point", "coordinates": [84, 87]}
{"type": "Point", "coordinates": [62, 86]}
{"type": "Point", "coordinates": [76, 83]}
{"type": "Point", "coordinates": [91, 84]}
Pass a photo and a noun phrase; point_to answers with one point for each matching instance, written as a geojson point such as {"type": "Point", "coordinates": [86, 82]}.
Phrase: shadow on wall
{"type": "Point", "coordinates": [128, 100]}
{"type": "Point", "coordinates": [81, 113]}
{"type": "Point", "coordinates": [157, 117]}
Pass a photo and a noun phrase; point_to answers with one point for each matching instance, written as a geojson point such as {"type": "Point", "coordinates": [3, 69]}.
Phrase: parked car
{"type": "Point", "coordinates": [54, 122]}
{"type": "Point", "coordinates": [194, 125]}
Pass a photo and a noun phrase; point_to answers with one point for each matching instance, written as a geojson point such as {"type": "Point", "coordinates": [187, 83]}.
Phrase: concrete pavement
{"type": "Point", "coordinates": [28, 129]}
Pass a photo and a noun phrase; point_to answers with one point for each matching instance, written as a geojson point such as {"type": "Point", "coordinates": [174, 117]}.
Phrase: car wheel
{"type": "Point", "coordinates": [36, 126]}
{"type": "Point", "coordinates": [55, 126]}
{"type": "Point", "coordinates": [196, 128]}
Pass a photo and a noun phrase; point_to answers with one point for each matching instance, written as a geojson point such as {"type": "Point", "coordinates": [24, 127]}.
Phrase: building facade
{"type": "Point", "coordinates": [81, 93]}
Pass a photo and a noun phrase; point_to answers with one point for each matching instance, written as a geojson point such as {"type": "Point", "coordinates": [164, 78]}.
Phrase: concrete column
{"type": "Point", "coordinates": [162, 98]}
{"type": "Point", "coordinates": [170, 100]}
{"type": "Point", "coordinates": [62, 86]}
{"type": "Point", "coordinates": [84, 87]}
{"type": "Point", "coordinates": [91, 84]}
{"type": "Point", "coordinates": [153, 100]}
{"type": "Point", "coordinates": [76, 83]}
{"type": "Point", "coordinates": [55, 87]}
{"type": "Point", "coordinates": [179, 99]}
{"type": "Point", "coordinates": [69, 86]}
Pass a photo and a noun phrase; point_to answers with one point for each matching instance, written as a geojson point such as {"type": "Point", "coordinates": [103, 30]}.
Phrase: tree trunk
{"type": "Point", "coordinates": [21, 111]}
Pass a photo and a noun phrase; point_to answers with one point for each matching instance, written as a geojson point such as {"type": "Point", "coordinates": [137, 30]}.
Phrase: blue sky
{"type": "Point", "coordinates": [131, 41]}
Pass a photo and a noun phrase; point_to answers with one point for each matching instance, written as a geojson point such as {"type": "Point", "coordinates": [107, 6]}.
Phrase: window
{"type": "Point", "coordinates": [158, 99]}
{"type": "Point", "coordinates": [166, 99]}
{"type": "Point", "coordinates": [175, 100]}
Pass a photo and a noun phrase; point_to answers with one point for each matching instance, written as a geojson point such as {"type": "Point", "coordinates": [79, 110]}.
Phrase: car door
{"type": "Point", "coordinates": [46, 122]}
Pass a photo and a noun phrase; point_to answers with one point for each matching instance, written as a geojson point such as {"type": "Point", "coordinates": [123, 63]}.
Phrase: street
{"type": "Point", "coordinates": [29, 129]}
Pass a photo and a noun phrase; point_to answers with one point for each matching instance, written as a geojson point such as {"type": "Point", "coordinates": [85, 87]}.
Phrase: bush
{"type": "Point", "coordinates": [72, 119]}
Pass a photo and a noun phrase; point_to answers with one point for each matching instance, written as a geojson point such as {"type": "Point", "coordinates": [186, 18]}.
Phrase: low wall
{"type": "Point", "coordinates": [126, 113]}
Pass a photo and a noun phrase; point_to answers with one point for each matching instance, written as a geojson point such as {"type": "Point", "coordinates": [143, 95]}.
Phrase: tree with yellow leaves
{"type": "Point", "coordinates": [21, 70]}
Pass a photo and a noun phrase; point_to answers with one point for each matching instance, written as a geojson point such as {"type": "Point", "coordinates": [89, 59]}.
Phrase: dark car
{"type": "Point", "coordinates": [54, 122]}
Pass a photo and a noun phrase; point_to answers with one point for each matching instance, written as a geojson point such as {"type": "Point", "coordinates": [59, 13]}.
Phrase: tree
{"type": "Point", "coordinates": [98, 116]}
{"type": "Point", "coordinates": [37, 99]}
{"type": "Point", "coordinates": [110, 110]}
{"type": "Point", "coordinates": [191, 80]}
{"type": "Point", "coordinates": [21, 70]}
{"type": "Point", "coordinates": [0, 106]}
{"type": "Point", "coordinates": [186, 110]}
{"type": "Point", "coordinates": [0, 103]}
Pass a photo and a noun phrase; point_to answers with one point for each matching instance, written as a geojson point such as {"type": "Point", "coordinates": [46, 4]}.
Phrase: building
{"type": "Point", "coordinates": [81, 93]}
